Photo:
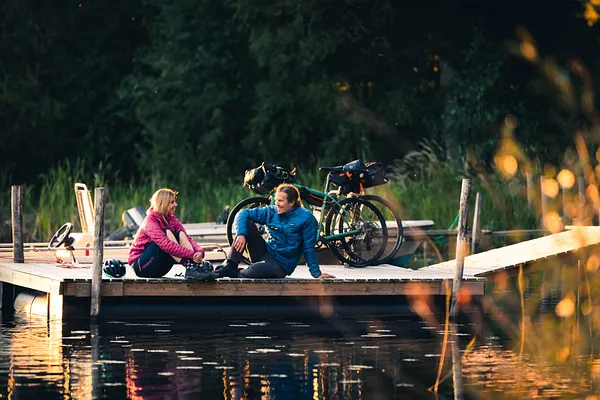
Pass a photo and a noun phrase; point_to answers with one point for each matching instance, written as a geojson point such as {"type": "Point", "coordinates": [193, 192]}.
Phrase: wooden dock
{"type": "Point", "coordinates": [65, 292]}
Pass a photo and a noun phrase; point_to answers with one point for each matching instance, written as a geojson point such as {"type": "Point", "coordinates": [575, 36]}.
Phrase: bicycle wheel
{"type": "Point", "coordinates": [364, 247]}
{"type": "Point", "coordinates": [388, 212]}
{"type": "Point", "coordinates": [251, 202]}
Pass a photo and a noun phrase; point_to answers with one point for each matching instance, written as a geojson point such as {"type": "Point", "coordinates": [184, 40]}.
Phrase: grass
{"type": "Point", "coordinates": [432, 195]}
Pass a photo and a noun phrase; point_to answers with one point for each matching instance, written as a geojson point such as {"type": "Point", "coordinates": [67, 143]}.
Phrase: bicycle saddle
{"type": "Point", "coordinates": [339, 168]}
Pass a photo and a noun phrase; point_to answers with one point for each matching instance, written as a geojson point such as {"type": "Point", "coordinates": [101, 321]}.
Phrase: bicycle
{"type": "Point", "coordinates": [351, 225]}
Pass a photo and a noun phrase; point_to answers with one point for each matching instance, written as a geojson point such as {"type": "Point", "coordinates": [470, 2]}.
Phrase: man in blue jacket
{"type": "Point", "coordinates": [292, 233]}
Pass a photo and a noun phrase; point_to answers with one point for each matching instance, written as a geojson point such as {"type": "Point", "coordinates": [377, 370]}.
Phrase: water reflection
{"type": "Point", "coordinates": [333, 359]}
{"type": "Point", "coordinates": [218, 359]}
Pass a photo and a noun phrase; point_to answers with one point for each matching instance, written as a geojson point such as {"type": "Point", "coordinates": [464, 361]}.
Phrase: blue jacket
{"type": "Point", "coordinates": [290, 235]}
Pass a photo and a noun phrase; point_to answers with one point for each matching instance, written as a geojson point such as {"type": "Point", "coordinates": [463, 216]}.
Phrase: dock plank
{"type": "Point", "coordinates": [488, 262]}
{"type": "Point", "coordinates": [377, 280]}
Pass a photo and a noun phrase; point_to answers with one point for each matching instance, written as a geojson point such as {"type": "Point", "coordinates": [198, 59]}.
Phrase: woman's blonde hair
{"type": "Point", "coordinates": [161, 199]}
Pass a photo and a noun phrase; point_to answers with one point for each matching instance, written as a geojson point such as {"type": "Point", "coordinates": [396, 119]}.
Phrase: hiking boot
{"type": "Point", "coordinates": [229, 269]}
{"type": "Point", "coordinates": [197, 274]}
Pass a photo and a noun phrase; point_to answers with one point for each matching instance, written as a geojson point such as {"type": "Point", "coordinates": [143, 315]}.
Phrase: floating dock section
{"type": "Point", "coordinates": [65, 292]}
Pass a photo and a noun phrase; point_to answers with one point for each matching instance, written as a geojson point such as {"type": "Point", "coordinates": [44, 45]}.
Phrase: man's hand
{"type": "Point", "coordinates": [198, 257]}
{"type": "Point", "coordinates": [239, 243]}
{"type": "Point", "coordinates": [325, 276]}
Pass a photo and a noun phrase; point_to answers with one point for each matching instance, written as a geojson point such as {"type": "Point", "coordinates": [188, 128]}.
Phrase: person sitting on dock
{"type": "Point", "coordinates": [162, 241]}
{"type": "Point", "coordinates": [292, 233]}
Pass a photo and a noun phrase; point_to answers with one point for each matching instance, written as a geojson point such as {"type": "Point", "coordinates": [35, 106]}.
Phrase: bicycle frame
{"type": "Point", "coordinates": [328, 202]}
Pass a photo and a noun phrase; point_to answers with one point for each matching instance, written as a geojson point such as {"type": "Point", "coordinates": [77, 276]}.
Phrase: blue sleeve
{"type": "Point", "coordinates": [259, 215]}
{"type": "Point", "coordinates": [309, 239]}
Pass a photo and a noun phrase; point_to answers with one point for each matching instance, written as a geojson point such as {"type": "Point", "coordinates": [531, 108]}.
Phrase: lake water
{"type": "Point", "coordinates": [395, 357]}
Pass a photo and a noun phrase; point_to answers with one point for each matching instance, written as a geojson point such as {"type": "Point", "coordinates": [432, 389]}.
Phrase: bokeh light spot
{"type": "Point", "coordinates": [510, 165]}
{"type": "Point", "coordinates": [550, 187]}
{"type": "Point", "coordinates": [592, 263]}
{"type": "Point", "coordinates": [562, 354]}
{"type": "Point", "coordinates": [587, 307]}
{"type": "Point", "coordinates": [552, 222]}
{"type": "Point", "coordinates": [565, 308]}
{"type": "Point", "coordinates": [528, 50]}
{"type": "Point", "coordinates": [592, 192]}
{"type": "Point", "coordinates": [566, 179]}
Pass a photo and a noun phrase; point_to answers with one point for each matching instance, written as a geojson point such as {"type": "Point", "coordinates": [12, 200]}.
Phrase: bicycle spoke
{"type": "Point", "coordinates": [358, 232]}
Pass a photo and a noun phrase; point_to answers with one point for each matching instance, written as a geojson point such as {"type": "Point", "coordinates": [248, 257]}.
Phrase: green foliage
{"type": "Point", "coordinates": [431, 193]}
{"type": "Point", "coordinates": [427, 188]}
{"type": "Point", "coordinates": [61, 63]}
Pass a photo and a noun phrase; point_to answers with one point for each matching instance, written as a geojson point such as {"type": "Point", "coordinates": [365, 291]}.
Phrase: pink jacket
{"type": "Point", "coordinates": [153, 230]}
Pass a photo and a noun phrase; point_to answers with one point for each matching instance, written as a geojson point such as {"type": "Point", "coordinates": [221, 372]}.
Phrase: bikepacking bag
{"type": "Point", "coordinates": [266, 177]}
{"type": "Point", "coordinates": [356, 174]}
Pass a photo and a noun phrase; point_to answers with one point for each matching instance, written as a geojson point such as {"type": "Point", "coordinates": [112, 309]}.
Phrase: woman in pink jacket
{"type": "Point", "coordinates": [162, 241]}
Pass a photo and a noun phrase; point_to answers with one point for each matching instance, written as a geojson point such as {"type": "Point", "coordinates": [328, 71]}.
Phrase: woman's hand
{"type": "Point", "coordinates": [198, 257]}
{"type": "Point", "coordinates": [239, 243]}
{"type": "Point", "coordinates": [325, 276]}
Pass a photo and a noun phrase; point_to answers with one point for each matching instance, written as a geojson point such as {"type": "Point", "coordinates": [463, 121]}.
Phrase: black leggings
{"type": "Point", "coordinates": [154, 261]}
{"type": "Point", "coordinates": [263, 264]}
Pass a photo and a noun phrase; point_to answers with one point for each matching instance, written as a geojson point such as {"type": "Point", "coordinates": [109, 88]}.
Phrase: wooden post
{"type": "Point", "coordinates": [543, 201]}
{"type": "Point", "coordinates": [17, 224]}
{"type": "Point", "coordinates": [581, 187]}
{"type": "Point", "coordinates": [98, 253]}
{"type": "Point", "coordinates": [457, 378]}
{"type": "Point", "coordinates": [476, 224]}
{"type": "Point", "coordinates": [530, 190]}
{"type": "Point", "coordinates": [461, 244]}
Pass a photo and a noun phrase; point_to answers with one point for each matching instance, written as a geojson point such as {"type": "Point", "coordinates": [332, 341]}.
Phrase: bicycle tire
{"type": "Point", "coordinates": [373, 232]}
{"type": "Point", "coordinates": [386, 205]}
{"type": "Point", "coordinates": [251, 202]}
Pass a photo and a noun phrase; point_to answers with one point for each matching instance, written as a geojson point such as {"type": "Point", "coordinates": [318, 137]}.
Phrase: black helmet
{"type": "Point", "coordinates": [114, 268]}
{"type": "Point", "coordinates": [207, 266]}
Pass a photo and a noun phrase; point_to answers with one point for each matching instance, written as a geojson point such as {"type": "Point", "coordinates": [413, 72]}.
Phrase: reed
{"type": "Point", "coordinates": [431, 195]}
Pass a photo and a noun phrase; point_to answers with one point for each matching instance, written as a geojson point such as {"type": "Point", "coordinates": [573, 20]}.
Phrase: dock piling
{"type": "Point", "coordinates": [17, 223]}
{"type": "Point", "coordinates": [96, 293]}
{"type": "Point", "coordinates": [476, 234]}
{"type": "Point", "coordinates": [461, 244]}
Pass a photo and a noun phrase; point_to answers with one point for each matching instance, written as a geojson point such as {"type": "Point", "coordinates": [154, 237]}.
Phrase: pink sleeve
{"type": "Point", "coordinates": [195, 246]}
{"type": "Point", "coordinates": [158, 236]}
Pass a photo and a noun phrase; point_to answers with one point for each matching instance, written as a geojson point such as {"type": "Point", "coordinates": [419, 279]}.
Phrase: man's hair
{"type": "Point", "coordinates": [292, 193]}
{"type": "Point", "coordinates": [161, 199]}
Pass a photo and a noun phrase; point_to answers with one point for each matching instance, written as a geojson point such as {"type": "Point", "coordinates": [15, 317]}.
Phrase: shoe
{"type": "Point", "coordinates": [197, 274]}
{"type": "Point", "coordinates": [229, 269]}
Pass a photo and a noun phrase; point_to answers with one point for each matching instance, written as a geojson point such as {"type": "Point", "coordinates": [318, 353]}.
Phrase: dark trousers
{"type": "Point", "coordinates": [263, 263]}
{"type": "Point", "coordinates": [154, 262]}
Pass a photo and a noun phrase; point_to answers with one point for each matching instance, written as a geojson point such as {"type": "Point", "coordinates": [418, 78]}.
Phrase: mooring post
{"type": "Point", "coordinates": [17, 223]}
{"type": "Point", "coordinates": [476, 224]}
{"type": "Point", "coordinates": [461, 244]}
{"type": "Point", "coordinates": [98, 253]}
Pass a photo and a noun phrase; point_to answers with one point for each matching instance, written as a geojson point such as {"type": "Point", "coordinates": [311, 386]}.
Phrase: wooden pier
{"type": "Point", "coordinates": [65, 292]}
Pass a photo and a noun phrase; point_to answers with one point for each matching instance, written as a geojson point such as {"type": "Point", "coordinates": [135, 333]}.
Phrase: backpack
{"type": "Point", "coordinates": [266, 177]}
{"type": "Point", "coordinates": [357, 174]}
